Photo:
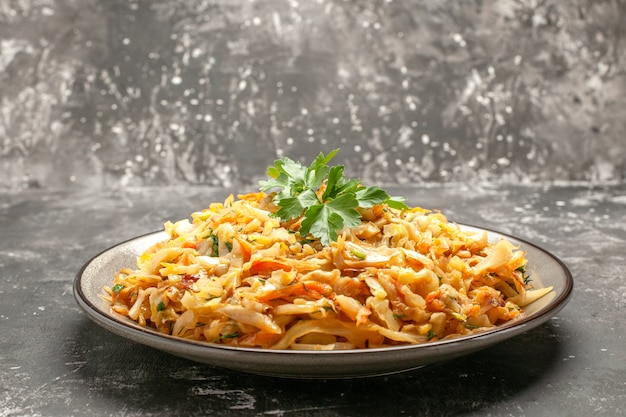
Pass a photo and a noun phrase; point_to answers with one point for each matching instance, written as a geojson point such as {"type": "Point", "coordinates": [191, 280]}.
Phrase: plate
{"type": "Point", "coordinates": [545, 268]}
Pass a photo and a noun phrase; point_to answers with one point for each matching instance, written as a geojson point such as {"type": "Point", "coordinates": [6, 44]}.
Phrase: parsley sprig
{"type": "Point", "coordinates": [326, 199]}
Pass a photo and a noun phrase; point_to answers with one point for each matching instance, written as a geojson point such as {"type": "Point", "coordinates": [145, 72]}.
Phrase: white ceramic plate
{"type": "Point", "coordinates": [545, 269]}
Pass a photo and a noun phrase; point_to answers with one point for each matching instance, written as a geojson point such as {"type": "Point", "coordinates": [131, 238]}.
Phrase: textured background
{"type": "Point", "coordinates": [108, 94]}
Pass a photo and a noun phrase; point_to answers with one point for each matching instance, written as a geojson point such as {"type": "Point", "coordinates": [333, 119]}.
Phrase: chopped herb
{"type": "Point", "coordinates": [322, 195]}
{"type": "Point", "coordinates": [399, 316]}
{"type": "Point", "coordinates": [161, 306]}
{"type": "Point", "coordinates": [229, 245]}
{"type": "Point", "coordinates": [525, 276]}
{"type": "Point", "coordinates": [357, 254]}
{"type": "Point", "coordinates": [471, 326]}
{"type": "Point", "coordinates": [229, 336]}
{"type": "Point", "coordinates": [200, 324]}
{"type": "Point", "coordinates": [458, 316]}
{"type": "Point", "coordinates": [118, 287]}
{"type": "Point", "coordinates": [215, 247]}
{"type": "Point", "coordinates": [430, 334]}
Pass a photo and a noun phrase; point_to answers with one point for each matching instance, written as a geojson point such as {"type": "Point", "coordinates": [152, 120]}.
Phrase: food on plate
{"type": "Point", "coordinates": [317, 261]}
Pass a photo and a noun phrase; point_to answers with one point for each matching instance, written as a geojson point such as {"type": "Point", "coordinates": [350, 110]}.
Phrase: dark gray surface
{"type": "Point", "coordinates": [56, 362]}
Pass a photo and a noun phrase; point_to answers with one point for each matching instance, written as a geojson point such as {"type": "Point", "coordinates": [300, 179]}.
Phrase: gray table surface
{"type": "Point", "coordinates": [56, 362]}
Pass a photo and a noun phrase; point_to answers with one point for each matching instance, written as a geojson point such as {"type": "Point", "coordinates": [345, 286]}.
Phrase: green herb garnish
{"type": "Point", "coordinates": [326, 199]}
{"type": "Point", "coordinates": [117, 288]}
{"type": "Point", "coordinates": [357, 254]}
{"type": "Point", "coordinates": [161, 306]}
{"type": "Point", "coordinates": [215, 251]}
{"type": "Point", "coordinates": [525, 276]}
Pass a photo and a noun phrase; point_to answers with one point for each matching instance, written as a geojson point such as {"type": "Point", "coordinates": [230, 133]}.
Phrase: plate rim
{"type": "Point", "coordinates": [469, 343]}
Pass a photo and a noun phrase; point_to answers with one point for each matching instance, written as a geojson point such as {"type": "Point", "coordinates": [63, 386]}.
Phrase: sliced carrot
{"type": "Point", "coordinates": [266, 266]}
{"type": "Point", "coordinates": [433, 303]}
{"type": "Point", "coordinates": [246, 249]}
